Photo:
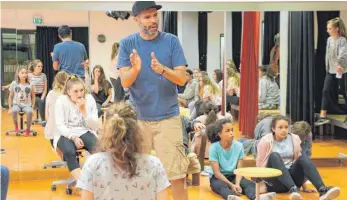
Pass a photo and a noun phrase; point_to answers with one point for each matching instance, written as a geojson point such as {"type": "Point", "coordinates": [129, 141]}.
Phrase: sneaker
{"type": "Point", "coordinates": [268, 196]}
{"type": "Point", "coordinates": [328, 193]}
{"type": "Point", "coordinates": [43, 123]}
{"type": "Point", "coordinates": [321, 121]}
{"type": "Point", "coordinates": [27, 133]}
{"type": "Point", "coordinates": [294, 193]}
{"type": "Point", "coordinates": [233, 197]}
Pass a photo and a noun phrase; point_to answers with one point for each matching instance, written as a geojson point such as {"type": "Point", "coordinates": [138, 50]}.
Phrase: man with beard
{"type": "Point", "coordinates": [152, 64]}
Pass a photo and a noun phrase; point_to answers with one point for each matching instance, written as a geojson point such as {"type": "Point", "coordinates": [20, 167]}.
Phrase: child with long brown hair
{"type": "Point", "coordinates": [119, 91]}
{"type": "Point", "coordinates": [119, 169]}
{"type": "Point", "coordinates": [39, 81]}
{"type": "Point", "coordinates": [101, 88]}
{"type": "Point", "coordinates": [21, 98]}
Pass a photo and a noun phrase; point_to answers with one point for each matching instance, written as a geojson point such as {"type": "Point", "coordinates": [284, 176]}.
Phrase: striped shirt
{"type": "Point", "coordinates": [38, 81]}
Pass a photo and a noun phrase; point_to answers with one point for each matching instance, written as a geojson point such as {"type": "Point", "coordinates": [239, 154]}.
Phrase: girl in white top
{"type": "Point", "coordinates": [119, 170]}
{"type": "Point", "coordinates": [21, 98]}
{"type": "Point", "coordinates": [76, 118]}
{"type": "Point", "coordinates": [53, 95]}
{"type": "Point", "coordinates": [39, 81]}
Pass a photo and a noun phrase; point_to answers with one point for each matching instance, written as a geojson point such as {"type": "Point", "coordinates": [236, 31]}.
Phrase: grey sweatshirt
{"type": "Point", "coordinates": [336, 54]}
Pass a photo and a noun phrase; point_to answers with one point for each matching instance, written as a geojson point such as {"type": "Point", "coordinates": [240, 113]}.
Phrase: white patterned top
{"type": "Point", "coordinates": [107, 182]}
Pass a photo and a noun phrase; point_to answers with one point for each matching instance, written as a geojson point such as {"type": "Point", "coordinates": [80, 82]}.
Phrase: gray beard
{"type": "Point", "coordinates": [147, 32]}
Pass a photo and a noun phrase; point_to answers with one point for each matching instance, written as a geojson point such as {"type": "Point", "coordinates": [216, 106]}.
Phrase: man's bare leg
{"type": "Point", "coordinates": [179, 190]}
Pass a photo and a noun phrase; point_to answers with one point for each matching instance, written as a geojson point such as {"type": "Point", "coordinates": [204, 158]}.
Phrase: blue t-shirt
{"type": "Point", "coordinates": [154, 96]}
{"type": "Point", "coordinates": [227, 160]}
{"type": "Point", "coordinates": [70, 56]}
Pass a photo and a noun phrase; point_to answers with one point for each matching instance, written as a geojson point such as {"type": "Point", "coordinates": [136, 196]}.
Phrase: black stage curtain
{"type": "Point", "coordinates": [169, 22]}
{"type": "Point", "coordinates": [236, 34]}
{"type": "Point", "coordinates": [271, 28]}
{"type": "Point", "coordinates": [202, 38]}
{"type": "Point", "coordinates": [81, 34]}
{"type": "Point", "coordinates": [47, 37]}
{"type": "Point", "coordinates": [301, 67]}
{"type": "Point", "coordinates": [320, 71]}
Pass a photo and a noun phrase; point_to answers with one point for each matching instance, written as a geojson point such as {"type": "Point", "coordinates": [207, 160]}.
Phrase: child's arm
{"type": "Point", "coordinates": [33, 98]}
{"type": "Point", "coordinates": [220, 176]}
{"type": "Point", "coordinates": [110, 91]}
{"type": "Point", "coordinates": [44, 89]}
{"type": "Point", "coordinates": [86, 195]}
{"type": "Point", "coordinates": [10, 99]}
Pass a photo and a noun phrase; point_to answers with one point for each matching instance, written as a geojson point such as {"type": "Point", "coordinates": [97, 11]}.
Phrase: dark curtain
{"type": "Point", "coordinates": [301, 67]}
{"type": "Point", "coordinates": [81, 34]}
{"type": "Point", "coordinates": [271, 28]}
{"type": "Point", "coordinates": [202, 38]}
{"type": "Point", "coordinates": [320, 71]}
{"type": "Point", "coordinates": [236, 34]}
{"type": "Point", "coordinates": [170, 22]}
{"type": "Point", "coordinates": [47, 37]}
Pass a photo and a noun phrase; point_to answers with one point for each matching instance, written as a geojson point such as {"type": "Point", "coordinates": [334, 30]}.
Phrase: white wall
{"type": "Point", "coordinates": [187, 31]}
{"type": "Point", "coordinates": [215, 28]}
{"type": "Point", "coordinates": [23, 19]}
{"type": "Point", "coordinates": [114, 30]}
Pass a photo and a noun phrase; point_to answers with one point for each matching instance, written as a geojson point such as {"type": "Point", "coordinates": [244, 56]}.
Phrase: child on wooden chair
{"type": "Point", "coordinates": [225, 155]}
{"type": "Point", "coordinates": [21, 98]}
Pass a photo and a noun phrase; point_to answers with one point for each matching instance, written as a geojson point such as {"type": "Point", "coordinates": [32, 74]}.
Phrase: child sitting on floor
{"type": "Point", "coordinates": [225, 155]}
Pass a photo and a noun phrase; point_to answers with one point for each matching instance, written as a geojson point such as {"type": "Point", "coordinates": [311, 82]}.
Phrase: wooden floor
{"type": "Point", "coordinates": [26, 156]}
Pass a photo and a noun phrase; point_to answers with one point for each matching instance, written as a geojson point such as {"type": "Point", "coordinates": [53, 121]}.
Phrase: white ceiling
{"type": "Point", "coordinates": [246, 5]}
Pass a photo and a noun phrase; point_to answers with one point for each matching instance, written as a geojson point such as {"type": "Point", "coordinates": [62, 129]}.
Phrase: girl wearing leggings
{"type": "Point", "coordinates": [76, 118]}
{"type": "Point", "coordinates": [336, 67]}
{"type": "Point", "coordinates": [281, 150]}
{"type": "Point", "coordinates": [21, 98]}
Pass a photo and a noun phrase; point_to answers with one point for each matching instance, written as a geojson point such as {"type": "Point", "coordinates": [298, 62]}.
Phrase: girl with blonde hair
{"type": "Point", "coordinates": [52, 96]}
{"type": "Point", "coordinates": [76, 118]}
{"type": "Point", "coordinates": [336, 65]}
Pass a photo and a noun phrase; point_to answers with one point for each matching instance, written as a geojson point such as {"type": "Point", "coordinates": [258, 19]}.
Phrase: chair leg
{"type": "Point", "coordinates": [196, 179]}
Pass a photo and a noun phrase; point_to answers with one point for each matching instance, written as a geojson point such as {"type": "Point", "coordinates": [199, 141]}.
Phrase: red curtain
{"type": "Point", "coordinates": [249, 73]}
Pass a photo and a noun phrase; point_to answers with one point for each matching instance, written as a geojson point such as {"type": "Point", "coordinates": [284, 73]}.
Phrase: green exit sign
{"type": "Point", "coordinates": [37, 20]}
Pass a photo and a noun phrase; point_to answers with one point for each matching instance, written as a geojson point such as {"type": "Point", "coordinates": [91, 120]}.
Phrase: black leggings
{"type": "Point", "coordinates": [221, 188]}
{"type": "Point", "coordinates": [330, 96]}
{"type": "Point", "coordinates": [118, 89]}
{"type": "Point", "coordinates": [68, 148]}
{"type": "Point", "coordinates": [295, 176]}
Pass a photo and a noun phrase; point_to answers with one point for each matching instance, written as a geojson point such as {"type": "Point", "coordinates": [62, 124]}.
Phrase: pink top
{"type": "Point", "coordinates": [265, 147]}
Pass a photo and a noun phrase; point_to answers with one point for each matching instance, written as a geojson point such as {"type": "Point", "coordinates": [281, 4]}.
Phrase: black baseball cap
{"type": "Point", "coordinates": [140, 6]}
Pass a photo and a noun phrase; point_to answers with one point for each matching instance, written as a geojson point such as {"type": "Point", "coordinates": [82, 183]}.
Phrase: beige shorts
{"type": "Point", "coordinates": [166, 139]}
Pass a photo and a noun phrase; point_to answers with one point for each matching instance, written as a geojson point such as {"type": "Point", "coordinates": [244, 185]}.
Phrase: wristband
{"type": "Point", "coordinates": [163, 71]}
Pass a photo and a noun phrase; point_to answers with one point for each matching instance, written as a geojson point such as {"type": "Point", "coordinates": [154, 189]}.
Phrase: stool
{"type": "Point", "coordinates": [257, 174]}
{"type": "Point", "coordinates": [37, 120]}
{"type": "Point", "coordinates": [69, 182]}
{"type": "Point", "coordinates": [21, 129]}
